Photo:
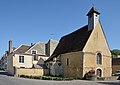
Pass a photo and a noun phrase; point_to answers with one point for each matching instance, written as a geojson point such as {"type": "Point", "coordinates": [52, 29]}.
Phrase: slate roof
{"type": "Point", "coordinates": [115, 61]}
{"type": "Point", "coordinates": [93, 10]}
{"type": "Point", "coordinates": [22, 49]}
{"type": "Point", "coordinates": [72, 42]}
{"type": "Point", "coordinates": [41, 66]}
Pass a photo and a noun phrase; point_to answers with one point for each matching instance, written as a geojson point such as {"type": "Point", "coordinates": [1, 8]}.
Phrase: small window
{"type": "Point", "coordinates": [99, 58]}
{"type": "Point", "coordinates": [21, 59]}
{"type": "Point", "coordinates": [96, 15]}
{"type": "Point", "coordinates": [34, 52]}
{"type": "Point", "coordinates": [67, 62]}
{"type": "Point", "coordinates": [59, 64]}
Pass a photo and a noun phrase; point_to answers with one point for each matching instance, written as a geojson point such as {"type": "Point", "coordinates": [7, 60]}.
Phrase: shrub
{"type": "Point", "coordinates": [26, 76]}
{"type": "Point", "coordinates": [37, 77]}
{"type": "Point", "coordinates": [22, 76]}
{"type": "Point", "coordinates": [46, 78]}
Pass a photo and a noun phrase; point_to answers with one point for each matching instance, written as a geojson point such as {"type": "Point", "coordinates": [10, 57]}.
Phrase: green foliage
{"type": "Point", "coordinates": [115, 53]}
{"type": "Point", "coordinates": [2, 69]}
{"type": "Point", "coordinates": [46, 78]}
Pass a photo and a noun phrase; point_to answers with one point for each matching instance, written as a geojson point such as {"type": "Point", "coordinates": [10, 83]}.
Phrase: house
{"type": "Point", "coordinates": [82, 51]}
{"type": "Point", "coordinates": [115, 64]}
{"type": "Point", "coordinates": [29, 60]}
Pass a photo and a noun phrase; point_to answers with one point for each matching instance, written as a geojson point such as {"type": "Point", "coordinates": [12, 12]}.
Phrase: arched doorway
{"type": "Point", "coordinates": [99, 72]}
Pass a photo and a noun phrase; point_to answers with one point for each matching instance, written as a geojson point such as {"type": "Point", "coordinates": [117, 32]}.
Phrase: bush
{"type": "Point", "coordinates": [46, 78]}
{"type": "Point", "coordinates": [37, 77]}
{"type": "Point", "coordinates": [22, 76]}
{"type": "Point", "coordinates": [27, 76]}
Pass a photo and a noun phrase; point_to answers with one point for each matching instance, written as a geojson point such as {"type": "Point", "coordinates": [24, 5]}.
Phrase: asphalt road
{"type": "Point", "coordinates": [9, 80]}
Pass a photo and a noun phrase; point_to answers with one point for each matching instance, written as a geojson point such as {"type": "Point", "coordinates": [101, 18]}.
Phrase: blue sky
{"type": "Point", "coordinates": [31, 21]}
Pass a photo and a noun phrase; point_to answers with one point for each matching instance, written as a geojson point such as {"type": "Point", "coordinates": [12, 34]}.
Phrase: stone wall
{"type": "Point", "coordinates": [114, 68]}
{"type": "Point", "coordinates": [10, 68]}
{"type": "Point", "coordinates": [31, 72]}
{"type": "Point", "coordinates": [72, 64]}
{"type": "Point", "coordinates": [97, 44]}
{"type": "Point", "coordinates": [90, 63]}
{"type": "Point", "coordinates": [56, 68]}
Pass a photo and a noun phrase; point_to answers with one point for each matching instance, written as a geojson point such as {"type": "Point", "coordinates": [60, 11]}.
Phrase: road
{"type": "Point", "coordinates": [9, 80]}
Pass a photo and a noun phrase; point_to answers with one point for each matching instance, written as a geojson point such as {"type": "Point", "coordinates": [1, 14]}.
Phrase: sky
{"type": "Point", "coordinates": [31, 21]}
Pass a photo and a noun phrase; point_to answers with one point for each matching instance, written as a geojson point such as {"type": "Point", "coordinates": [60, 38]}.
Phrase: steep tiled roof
{"type": "Point", "coordinates": [22, 49]}
{"type": "Point", "coordinates": [115, 61]}
{"type": "Point", "coordinates": [72, 42]}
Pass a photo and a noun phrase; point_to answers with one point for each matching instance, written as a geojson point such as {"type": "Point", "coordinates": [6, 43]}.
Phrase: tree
{"type": "Point", "coordinates": [115, 53]}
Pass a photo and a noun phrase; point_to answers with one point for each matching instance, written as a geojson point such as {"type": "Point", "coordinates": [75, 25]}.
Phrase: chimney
{"type": "Point", "coordinates": [10, 46]}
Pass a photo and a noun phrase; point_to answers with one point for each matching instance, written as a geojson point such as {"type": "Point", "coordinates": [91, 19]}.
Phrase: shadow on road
{"type": "Point", "coordinates": [110, 83]}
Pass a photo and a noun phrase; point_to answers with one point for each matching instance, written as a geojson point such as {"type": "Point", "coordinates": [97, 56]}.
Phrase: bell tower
{"type": "Point", "coordinates": [93, 17]}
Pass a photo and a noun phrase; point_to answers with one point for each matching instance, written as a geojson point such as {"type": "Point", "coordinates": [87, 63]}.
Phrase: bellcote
{"type": "Point", "coordinates": [93, 17]}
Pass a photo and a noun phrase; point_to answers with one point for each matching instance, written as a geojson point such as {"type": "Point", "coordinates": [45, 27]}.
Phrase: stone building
{"type": "Point", "coordinates": [81, 51]}
{"type": "Point", "coordinates": [26, 57]}
{"type": "Point", "coordinates": [115, 64]}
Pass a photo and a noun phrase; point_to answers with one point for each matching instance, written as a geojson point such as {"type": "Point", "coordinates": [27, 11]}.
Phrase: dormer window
{"type": "Point", "coordinates": [34, 52]}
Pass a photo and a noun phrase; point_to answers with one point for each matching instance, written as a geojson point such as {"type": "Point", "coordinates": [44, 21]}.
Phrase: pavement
{"type": "Point", "coordinates": [10, 80]}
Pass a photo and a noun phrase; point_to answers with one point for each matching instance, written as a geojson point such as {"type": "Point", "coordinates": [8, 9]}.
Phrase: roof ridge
{"type": "Point", "coordinates": [80, 28]}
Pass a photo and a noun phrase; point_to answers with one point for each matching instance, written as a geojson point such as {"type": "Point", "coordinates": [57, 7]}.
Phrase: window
{"type": "Point", "coordinates": [67, 62]}
{"type": "Point", "coordinates": [99, 58]}
{"type": "Point", "coordinates": [59, 64]}
{"type": "Point", "coordinates": [34, 52]}
{"type": "Point", "coordinates": [21, 59]}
